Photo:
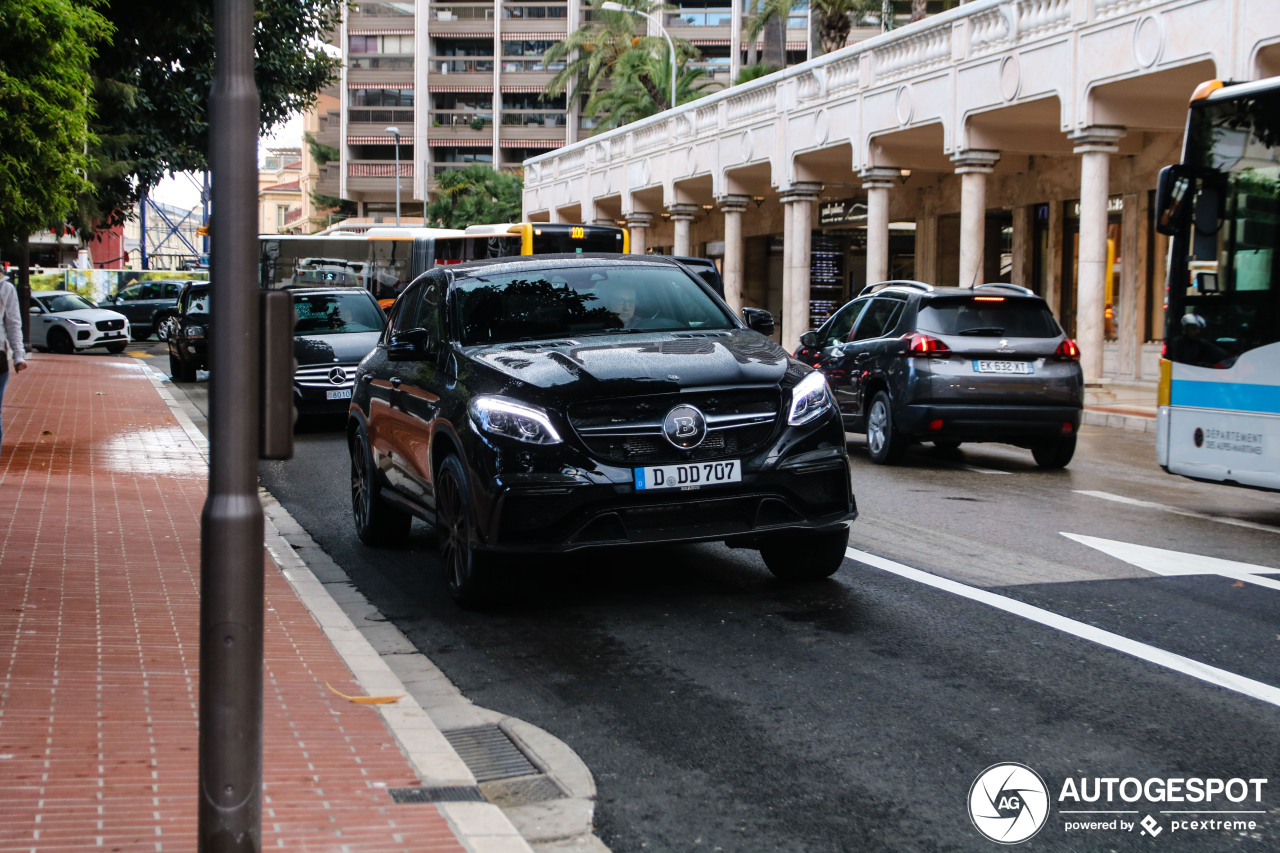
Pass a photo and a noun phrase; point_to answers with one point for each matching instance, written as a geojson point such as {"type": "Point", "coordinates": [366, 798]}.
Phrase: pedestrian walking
{"type": "Point", "coordinates": [11, 341]}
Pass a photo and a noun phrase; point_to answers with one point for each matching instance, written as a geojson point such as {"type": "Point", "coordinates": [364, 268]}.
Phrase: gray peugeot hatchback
{"type": "Point", "coordinates": [911, 362]}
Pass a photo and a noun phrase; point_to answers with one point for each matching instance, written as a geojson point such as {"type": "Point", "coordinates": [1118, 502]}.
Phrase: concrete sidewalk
{"type": "Point", "coordinates": [102, 480]}
{"type": "Point", "coordinates": [1121, 404]}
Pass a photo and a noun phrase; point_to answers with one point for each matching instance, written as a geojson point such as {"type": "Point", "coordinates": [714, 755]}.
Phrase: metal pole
{"type": "Point", "coordinates": [231, 525]}
{"type": "Point", "coordinates": [396, 131]}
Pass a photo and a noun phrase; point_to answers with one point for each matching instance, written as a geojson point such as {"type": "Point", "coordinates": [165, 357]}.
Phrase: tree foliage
{"type": "Point", "coordinates": [45, 50]}
{"type": "Point", "coordinates": [476, 194]}
{"type": "Point", "coordinates": [834, 18]}
{"type": "Point", "coordinates": [625, 76]}
{"type": "Point", "coordinates": [152, 84]}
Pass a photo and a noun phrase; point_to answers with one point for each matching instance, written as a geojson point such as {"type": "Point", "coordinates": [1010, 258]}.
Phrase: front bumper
{"type": "Point", "coordinates": [791, 486]}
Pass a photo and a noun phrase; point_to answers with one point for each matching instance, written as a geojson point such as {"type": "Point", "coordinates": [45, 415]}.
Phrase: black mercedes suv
{"type": "Point", "coordinates": [560, 402]}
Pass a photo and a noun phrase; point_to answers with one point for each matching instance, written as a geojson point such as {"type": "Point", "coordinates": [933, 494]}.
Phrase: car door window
{"type": "Point", "coordinates": [838, 328]}
{"type": "Point", "coordinates": [404, 313]}
{"type": "Point", "coordinates": [129, 294]}
{"type": "Point", "coordinates": [878, 320]}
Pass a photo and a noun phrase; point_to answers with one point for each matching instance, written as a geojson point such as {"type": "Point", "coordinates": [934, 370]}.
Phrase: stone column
{"type": "Point", "coordinates": [973, 168]}
{"type": "Point", "coordinates": [682, 216]}
{"type": "Point", "coordinates": [735, 282]}
{"type": "Point", "coordinates": [1095, 145]}
{"type": "Point", "coordinates": [637, 224]}
{"type": "Point", "coordinates": [877, 181]}
{"type": "Point", "coordinates": [796, 251]}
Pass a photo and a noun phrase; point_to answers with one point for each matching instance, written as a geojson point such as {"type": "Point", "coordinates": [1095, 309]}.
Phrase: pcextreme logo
{"type": "Point", "coordinates": [1009, 803]}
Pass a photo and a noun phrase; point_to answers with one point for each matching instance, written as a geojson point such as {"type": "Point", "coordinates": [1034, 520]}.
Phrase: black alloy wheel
{"type": "Point", "coordinates": [377, 522]}
{"type": "Point", "coordinates": [808, 556]}
{"type": "Point", "coordinates": [180, 370]}
{"type": "Point", "coordinates": [60, 341]}
{"type": "Point", "coordinates": [467, 571]}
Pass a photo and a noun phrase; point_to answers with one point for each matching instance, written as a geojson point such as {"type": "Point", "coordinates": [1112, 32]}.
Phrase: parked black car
{"type": "Point", "coordinates": [189, 332]}
{"type": "Point", "coordinates": [336, 327]}
{"type": "Point", "coordinates": [559, 402]}
{"type": "Point", "coordinates": [146, 304]}
{"type": "Point", "coordinates": [908, 361]}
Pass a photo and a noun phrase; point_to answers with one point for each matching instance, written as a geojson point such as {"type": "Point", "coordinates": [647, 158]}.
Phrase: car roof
{"type": "Point", "coordinates": [320, 291]}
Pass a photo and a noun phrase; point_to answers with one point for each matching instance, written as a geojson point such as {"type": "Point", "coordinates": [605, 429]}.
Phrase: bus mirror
{"type": "Point", "coordinates": [1172, 190]}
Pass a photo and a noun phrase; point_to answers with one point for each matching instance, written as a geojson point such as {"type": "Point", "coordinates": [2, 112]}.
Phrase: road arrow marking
{"type": "Point", "coordinates": [1175, 563]}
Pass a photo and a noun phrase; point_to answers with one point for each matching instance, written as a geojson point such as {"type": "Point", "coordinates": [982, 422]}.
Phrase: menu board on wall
{"type": "Point", "coordinates": [826, 277]}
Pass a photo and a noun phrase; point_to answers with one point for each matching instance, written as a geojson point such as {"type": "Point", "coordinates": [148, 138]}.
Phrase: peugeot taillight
{"type": "Point", "coordinates": [926, 346]}
{"type": "Point", "coordinates": [1067, 351]}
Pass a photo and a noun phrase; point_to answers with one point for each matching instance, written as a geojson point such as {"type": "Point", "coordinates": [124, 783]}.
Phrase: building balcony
{"type": "Point", "coordinates": [378, 127]}
{"type": "Point", "coordinates": [374, 78]}
{"type": "Point", "coordinates": [516, 122]}
{"type": "Point", "coordinates": [461, 134]}
{"type": "Point", "coordinates": [364, 176]}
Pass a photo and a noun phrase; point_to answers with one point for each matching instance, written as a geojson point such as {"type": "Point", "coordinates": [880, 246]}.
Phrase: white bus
{"type": "Point", "coordinates": [1219, 397]}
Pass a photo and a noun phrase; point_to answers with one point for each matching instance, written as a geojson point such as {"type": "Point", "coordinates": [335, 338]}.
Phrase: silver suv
{"type": "Point", "coordinates": [912, 362]}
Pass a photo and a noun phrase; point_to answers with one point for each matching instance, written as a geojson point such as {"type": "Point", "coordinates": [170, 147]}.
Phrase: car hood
{"type": "Point", "coordinates": [347, 348]}
{"type": "Point", "coordinates": [89, 315]}
{"type": "Point", "coordinates": [641, 363]}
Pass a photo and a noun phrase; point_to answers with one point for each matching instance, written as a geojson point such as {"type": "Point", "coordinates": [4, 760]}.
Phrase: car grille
{"type": "Point", "coordinates": [319, 376]}
{"type": "Point", "coordinates": [110, 325]}
{"type": "Point", "coordinates": [628, 431]}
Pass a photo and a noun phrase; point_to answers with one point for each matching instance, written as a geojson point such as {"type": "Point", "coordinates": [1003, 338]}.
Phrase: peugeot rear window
{"type": "Point", "coordinates": [988, 316]}
{"type": "Point", "coordinates": [506, 306]}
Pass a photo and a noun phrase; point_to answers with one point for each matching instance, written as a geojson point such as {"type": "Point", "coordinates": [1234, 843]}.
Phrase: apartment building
{"type": "Point", "coordinates": [464, 81]}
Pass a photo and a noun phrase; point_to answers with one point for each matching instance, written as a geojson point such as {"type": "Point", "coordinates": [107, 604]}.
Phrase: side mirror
{"type": "Point", "coordinates": [809, 339]}
{"type": "Point", "coordinates": [1173, 188]}
{"type": "Point", "coordinates": [34, 310]}
{"type": "Point", "coordinates": [758, 320]}
{"type": "Point", "coordinates": [408, 346]}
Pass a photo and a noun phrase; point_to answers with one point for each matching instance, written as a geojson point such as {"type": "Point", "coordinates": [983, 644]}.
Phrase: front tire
{"type": "Point", "coordinates": [807, 556]}
{"type": "Point", "coordinates": [180, 370]}
{"type": "Point", "coordinates": [468, 572]}
{"type": "Point", "coordinates": [377, 522]}
{"type": "Point", "coordinates": [885, 445]}
{"type": "Point", "coordinates": [60, 342]}
{"type": "Point", "coordinates": [1055, 454]}
{"type": "Point", "coordinates": [117, 348]}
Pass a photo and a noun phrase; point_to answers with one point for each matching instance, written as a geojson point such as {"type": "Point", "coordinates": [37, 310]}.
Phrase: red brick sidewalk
{"type": "Point", "coordinates": [101, 491]}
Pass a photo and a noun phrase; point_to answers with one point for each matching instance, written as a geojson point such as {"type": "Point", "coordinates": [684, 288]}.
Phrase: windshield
{"type": "Point", "coordinates": [336, 313]}
{"type": "Point", "coordinates": [991, 316]}
{"type": "Point", "coordinates": [1233, 146]}
{"type": "Point", "coordinates": [64, 302]}
{"type": "Point", "coordinates": [582, 300]}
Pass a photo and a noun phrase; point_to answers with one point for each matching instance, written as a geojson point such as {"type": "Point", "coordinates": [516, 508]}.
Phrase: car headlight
{"type": "Point", "coordinates": [809, 398]}
{"type": "Point", "coordinates": [195, 331]}
{"type": "Point", "coordinates": [73, 321]}
{"type": "Point", "coordinates": [513, 420]}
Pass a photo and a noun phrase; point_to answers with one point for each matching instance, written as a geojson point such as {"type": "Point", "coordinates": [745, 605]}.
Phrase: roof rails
{"type": "Point", "coordinates": [880, 285]}
{"type": "Point", "coordinates": [1019, 288]}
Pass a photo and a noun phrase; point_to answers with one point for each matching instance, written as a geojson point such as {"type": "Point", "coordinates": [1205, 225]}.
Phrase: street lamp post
{"type": "Point", "coordinates": [396, 131]}
{"type": "Point", "coordinates": [618, 7]}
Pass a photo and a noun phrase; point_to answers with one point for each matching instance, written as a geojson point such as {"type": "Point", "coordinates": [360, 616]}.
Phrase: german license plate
{"type": "Point", "coordinates": [338, 394]}
{"type": "Point", "coordinates": [690, 475]}
{"type": "Point", "coordinates": [1002, 367]}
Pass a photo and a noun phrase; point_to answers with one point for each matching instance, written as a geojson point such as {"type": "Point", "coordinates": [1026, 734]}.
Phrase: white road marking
{"type": "Point", "coordinates": [1236, 522]}
{"type": "Point", "coordinates": [1151, 654]}
{"type": "Point", "coordinates": [1170, 563]}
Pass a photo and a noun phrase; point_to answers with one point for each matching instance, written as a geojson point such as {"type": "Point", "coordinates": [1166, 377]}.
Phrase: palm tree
{"type": "Point", "coordinates": [594, 50]}
{"type": "Point", "coordinates": [834, 19]}
{"type": "Point", "coordinates": [639, 88]}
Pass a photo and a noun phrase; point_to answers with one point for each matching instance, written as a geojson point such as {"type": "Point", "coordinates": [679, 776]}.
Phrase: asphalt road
{"type": "Point", "coordinates": [722, 710]}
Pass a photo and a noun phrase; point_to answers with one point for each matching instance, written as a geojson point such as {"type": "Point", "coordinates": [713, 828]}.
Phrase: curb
{"type": "Point", "coordinates": [384, 662]}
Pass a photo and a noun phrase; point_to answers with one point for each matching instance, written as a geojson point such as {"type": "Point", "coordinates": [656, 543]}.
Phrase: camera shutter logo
{"type": "Point", "coordinates": [1008, 803]}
